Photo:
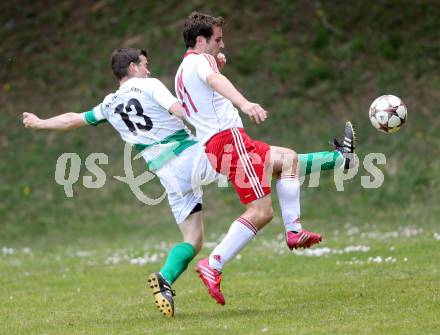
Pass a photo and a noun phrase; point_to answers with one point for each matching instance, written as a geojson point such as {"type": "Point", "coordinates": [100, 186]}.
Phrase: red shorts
{"type": "Point", "coordinates": [234, 154]}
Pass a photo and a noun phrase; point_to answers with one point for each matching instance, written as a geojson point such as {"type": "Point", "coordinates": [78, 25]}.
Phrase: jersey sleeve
{"type": "Point", "coordinates": [95, 116]}
{"type": "Point", "coordinates": [206, 66]}
{"type": "Point", "coordinates": [162, 95]}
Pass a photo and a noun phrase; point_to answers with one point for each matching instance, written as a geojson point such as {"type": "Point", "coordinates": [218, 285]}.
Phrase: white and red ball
{"type": "Point", "coordinates": [388, 113]}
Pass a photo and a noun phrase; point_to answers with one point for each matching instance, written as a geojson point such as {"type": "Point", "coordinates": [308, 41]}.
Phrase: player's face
{"type": "Point", "coordinates": [215, 43]}
{"type": "Point", "coordinates": [142, 68]}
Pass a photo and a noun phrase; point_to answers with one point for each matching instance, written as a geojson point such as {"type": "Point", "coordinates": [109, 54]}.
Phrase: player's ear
{"type": "Point", "coordinates": [131, 69]}
{"type": "Point", "coordinates": [200, 39]}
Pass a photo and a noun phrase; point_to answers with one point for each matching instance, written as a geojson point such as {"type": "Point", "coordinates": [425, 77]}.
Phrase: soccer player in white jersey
{"type": "Point", "coordinates": [209, 98]}
{"type": "Point", "coordinates": [139, 111]}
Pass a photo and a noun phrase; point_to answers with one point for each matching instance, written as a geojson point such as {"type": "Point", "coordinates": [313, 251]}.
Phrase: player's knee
{"type": "Point", "coordinates": [267, 210]}
{"type": "Point", "coordinates": [264, 214]}
{"type": "Point", "coordinates": [260, 212]}
{"type": "Point", "coordinates": [268, 214]}
{"type": "Point", "coordinates": [294, 157]}
{"type": "Point", "coordinates": [291, 157]}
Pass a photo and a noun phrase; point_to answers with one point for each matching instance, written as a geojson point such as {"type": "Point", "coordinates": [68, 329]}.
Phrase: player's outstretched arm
{"type": "Point", "coordinates": [64, 122]}
{"type": "Point", "coordinates": [222, 85]}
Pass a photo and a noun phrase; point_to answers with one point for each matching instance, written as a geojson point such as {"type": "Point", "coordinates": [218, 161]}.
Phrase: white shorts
{"type": "Point", "coordinates": [183, 177]}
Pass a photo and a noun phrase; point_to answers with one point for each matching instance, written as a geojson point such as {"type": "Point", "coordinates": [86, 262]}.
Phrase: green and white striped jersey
{"type": "Point", "coordinates": [138, 110]}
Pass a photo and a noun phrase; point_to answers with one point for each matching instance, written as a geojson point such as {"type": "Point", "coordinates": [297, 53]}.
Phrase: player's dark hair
{"type": "Point", "coordinates": [199, 24]}
{"type": "Point", "coordinates": [121, 59]}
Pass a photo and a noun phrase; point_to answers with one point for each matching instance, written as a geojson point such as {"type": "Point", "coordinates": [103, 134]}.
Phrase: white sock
{"type": "Point", "coordinates": [289, 198]}
{"type": "Point", "coordinates": [239, 235]}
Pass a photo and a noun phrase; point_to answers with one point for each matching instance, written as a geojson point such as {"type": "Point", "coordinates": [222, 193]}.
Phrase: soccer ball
{"type": "Point", "coordinates": [388, 113]}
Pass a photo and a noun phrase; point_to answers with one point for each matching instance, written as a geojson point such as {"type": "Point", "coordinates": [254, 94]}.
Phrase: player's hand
{"type": "Point", "coordinates": [221, 61]}
{"type": "Point", "coordinates": [256, 113]}
{"type": "Point", "coordinates": [30, 120]}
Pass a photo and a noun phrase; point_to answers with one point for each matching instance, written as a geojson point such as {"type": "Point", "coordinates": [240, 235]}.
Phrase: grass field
{"type": "Point", "coordinates": [363, 279]}
{"type": "Point", "coordinates": [79, 265]}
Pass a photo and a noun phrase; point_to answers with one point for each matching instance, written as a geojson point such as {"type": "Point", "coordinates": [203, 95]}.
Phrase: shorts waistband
{"type": "Point", "coordinates": [224, 133]}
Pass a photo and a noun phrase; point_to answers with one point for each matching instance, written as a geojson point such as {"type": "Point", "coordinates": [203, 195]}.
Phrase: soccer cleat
{"type": "Point", "coordinates": [163, 294]}
{"type": "Point", "coordinates": [302, 239]}
{"type": "Point", "coordinates": [211, 278]}
{"type": "Point", "coordinates": [346, 148]}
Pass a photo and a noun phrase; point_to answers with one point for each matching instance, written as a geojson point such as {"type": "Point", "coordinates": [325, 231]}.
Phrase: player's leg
{"type": "Point", "coordinates": [258, 213]}
{"type": "Point", "coordinates": [192, 229]}
{"type": "Point", "coordinates": [319, 161]}
{"type": "Point", "coordinates": [242, 231]}
{"type": "Point", "coordinates": [247, 172]}
{"type": "Point", "coordinates": [186, 205]}
{"type": "Point", "coordinates": [343, 155]}
{"type": "Point", "coordinates": [183, 253]}
{"type": "Point", "coordinates": [284, 165]}
{"type": "Point", "coordinates": [177, 262]}
{"type": "Point", "coordinates": [185, 200]}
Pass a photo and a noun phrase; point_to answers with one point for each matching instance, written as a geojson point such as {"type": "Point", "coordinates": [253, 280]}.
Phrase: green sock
{"type": "Point", "coordinates": [319, 161]}
{"type": "Point", "coordinates": [177, 261]}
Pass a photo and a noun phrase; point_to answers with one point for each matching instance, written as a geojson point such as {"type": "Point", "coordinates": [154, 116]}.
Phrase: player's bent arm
{"type": "Point", "coordinates": [63, 122]}
{"type": "Point", "coordinates": [177, 110]}
{"type": "Point", "coordinates": [222, 85]}
{"type": "Point", "coordinates": [221, 61]}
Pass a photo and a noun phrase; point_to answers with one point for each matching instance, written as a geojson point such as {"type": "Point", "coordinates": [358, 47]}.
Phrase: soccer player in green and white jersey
{"type": "Point", "coordinates": [142, 111]}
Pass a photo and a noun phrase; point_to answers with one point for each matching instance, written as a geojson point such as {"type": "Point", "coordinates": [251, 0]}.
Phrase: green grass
{"type": "Point", "coordinates": [74, 290]}
{"type": "Point", "coordinates": [311, 78]}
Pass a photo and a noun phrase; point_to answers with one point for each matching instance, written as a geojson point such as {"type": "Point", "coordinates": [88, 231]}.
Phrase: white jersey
{"type": "Point", "coordinates": [138, 110]}
{"type": "Point", "coordinates": [208, 111]}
